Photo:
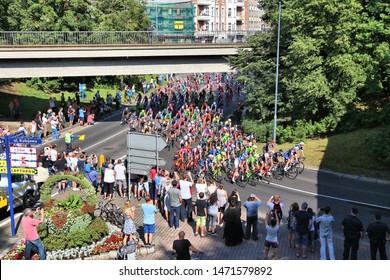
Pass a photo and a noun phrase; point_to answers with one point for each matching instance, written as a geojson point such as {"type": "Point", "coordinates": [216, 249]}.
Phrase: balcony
{"type": "Point", "coordinates": [203, 16]}
{"type": "Point", "coordinates": [240, 17]}
{"type": "Point", "coordinates": [203, 2]}
{"type": "Point", "coordinates": [240, 3]}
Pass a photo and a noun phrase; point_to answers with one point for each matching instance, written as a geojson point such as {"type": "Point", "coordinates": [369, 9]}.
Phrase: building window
{"type": "Point", "coordinates": [230, 12]}
{"type": "Point", "coordinates": [229, 26]}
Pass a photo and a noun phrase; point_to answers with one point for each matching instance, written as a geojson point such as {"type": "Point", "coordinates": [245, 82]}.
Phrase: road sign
{"type": "Point", "coordinates": [23, 157]}
{"type": "Point", "coordinates": [14, 170]}
{"type": "Point", "coordinates": [146, 161]}
{"type": "Point", "coordinates": [3, 163]}
{"type": "Point", "coordinates": [147, 142]}
{"type": "Point", "coordinates": [18, 134]}
{"type": "Point", "coordinates": [2, 140]}
{"type": "Point", "coordinates": [25, 140]}
{"type": "Point", "coordinates": [142, 153]}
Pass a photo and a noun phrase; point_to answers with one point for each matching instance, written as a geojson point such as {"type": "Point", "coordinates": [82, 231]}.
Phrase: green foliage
{"type": "Point", "coordinates": [80, 237]}
{"type": "Point", "coordinates": [122, 15]}
{"type": "Point", "coordinates": [263, 131]}
{"type": "Point", "coordinates": [4, 4]}
{"type": "Point", "coordinates": [80, 222]}
{"type": "Point", "coordinates": [72, 202]}
{"type": "Point", "coordinates": [89, 192]}
{"type": "Point", "coordinates": [379, 144]}
{"type": "Point", "coordinates": [43, 231]}
{"type": "Point", "coordinates": [326, 66]}
{"type": "Point", "coordinates": [51, 15]}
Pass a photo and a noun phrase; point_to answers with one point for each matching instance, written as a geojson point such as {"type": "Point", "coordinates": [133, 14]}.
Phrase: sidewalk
{"type": "Point", "coordinates": [213, 246]}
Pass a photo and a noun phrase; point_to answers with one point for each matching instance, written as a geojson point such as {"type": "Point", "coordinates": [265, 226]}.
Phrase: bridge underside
{"type": "Point", "coordinates": [28, 68]}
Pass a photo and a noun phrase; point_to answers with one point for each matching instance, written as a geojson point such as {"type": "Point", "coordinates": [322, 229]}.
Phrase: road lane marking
{"type": "Point", "coordinates": [330, 197]}
{"type": "Point", "coordinates": [108, 138]}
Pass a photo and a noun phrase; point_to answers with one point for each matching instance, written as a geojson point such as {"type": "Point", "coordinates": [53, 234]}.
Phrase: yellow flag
{"type": "Point", "coordinates": [82, 137]}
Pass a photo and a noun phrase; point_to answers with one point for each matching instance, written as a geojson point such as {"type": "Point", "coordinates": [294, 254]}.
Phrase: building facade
{"type": "Point", "coordinates": [199, 15]}
{"type": "Point", "coordinates": [255, 14]}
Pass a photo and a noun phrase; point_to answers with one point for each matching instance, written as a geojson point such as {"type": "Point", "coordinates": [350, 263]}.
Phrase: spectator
{"type": "Point", "coordinates": [252, 207]}
{"type": "Point", "coordinates": [22, 127]}
{"type": "Point", "coordinates": [120, 171]}
{"type": "Point", "coordinates": [325, 223]}
{"type": "Point", "coordinates": [271, 240]}
{"type": "Point", "coordinates": [175, 201]}
{"type": "Point", "coordinates": [29, 225]}
{"type": "Point", "coordinates": [33, 129]}
{"type": "Point", "coordinates": [53, 124]}
{"type": "Point", "coordinates": [129, 228]}
{"type": "Point", "coordinates": [91, 119]}
{"type": "Point", "coordinates": [353, 231]}
{"type": "Point", "coordinates": [182, 247]}
{"type": "Point", "coordinates": [185, 188]}
{"type": "Point", "coordinates": [149, 210]}
{"type": "Point", "coordinates": [201, 215]}
{"type": "Point", "coordinates": [93, 177]}
{"type": "Point", "coordinates": [150, 31]}
{"type": "Point", "coordinates": [213, 213]}
{"type": "Point", "coordinates": [222, 202]}
{"type": "Point", "coordinates": [312, 231]}
{"type": "Point", "coordinates": [233, 232]}
{"type": "Point", "coordinates": [290, 224]}
{"type": "Point", "coordinates": [275, 203]}
{"type": "Point", "coordinates": [302, 224]}
{"type": "Point", "coordinates": [42, 175]}
{"type": "Point", "coordinates": [109, 180]}
{"type": "Point", "coordinates": [201, 187]}
{"type": "Point", "coordinates": [376, 232]}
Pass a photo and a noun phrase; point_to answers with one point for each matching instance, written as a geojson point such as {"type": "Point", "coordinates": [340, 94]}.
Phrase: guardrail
{"type": "Point", "coordinates": [98, 38]}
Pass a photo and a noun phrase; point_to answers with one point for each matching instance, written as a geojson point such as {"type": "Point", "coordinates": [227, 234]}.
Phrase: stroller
{"type": "Point", "coordinates": [128, 251]}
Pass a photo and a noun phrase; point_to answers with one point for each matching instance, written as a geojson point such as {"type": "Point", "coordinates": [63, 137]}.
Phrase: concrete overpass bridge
{"type": "Point", "coordinates": [59, 54]}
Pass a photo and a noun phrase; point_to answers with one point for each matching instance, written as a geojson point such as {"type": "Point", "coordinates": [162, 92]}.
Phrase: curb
{"type": "Point", "coordinates": [351, 176]}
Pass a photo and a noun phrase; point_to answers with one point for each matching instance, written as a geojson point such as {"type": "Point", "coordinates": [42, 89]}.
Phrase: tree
{"type": "Point", "coordinates": [121, 15]}
{"type": "Point", "coordinates": [323, 68]}
{"type": "Point", "coordinates": [3, 14]}
{"type": "Point", "coordinates": [51, 15]}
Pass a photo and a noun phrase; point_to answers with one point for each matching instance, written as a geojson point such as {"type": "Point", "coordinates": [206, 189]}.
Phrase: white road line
{"type": "Point", "coordinates": [108, 138]}
{"type": "Point", "coordinates": [330, 197]}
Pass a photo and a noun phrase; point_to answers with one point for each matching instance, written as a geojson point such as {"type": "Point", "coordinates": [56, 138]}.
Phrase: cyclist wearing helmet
{"type": "Point", "coordinates": [290, 156]}
{"type": "Point", "coordinates": [239, 164]}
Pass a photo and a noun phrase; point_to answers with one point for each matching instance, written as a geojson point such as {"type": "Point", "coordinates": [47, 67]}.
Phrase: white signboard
{"type": "Point", "coordinates": [24, 157]}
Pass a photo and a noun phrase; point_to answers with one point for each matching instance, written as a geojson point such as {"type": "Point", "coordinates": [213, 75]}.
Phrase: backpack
{"type": "Point", "coordinates": [278, 210]}
{"type": "Point", "coordinates": [125, 250]}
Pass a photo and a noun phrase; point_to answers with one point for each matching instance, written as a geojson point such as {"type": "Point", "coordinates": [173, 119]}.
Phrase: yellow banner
{"type": "Point", "coordinates": [3, 163]}
{"type": "Point", "coordinates": [14, 170]}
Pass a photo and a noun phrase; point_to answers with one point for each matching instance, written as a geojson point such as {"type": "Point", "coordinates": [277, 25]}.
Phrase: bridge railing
{"type": "Point", "coordinates": [99, 38]}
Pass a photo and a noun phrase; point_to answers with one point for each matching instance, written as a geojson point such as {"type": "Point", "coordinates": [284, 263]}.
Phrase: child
{"type": "Point", "coordinates": [201, 215]}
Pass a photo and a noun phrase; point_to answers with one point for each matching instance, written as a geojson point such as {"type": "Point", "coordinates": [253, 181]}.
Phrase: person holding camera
{"type": "Point", "coordinates": [271, 240]}
{"type": "Point", "coordinates": [252, 206]}
{"type": "Point", "coordinates": [29, 224]}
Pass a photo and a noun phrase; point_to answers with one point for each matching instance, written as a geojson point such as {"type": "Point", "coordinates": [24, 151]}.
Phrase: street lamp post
{"type": "Point", "coordinates": [277, 70]}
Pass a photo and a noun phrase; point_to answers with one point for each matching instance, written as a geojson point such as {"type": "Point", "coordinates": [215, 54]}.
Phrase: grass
{"type": "Point", "coordinates": [32, 100]}
{"type": "Point", "coordinates": [345, 153]}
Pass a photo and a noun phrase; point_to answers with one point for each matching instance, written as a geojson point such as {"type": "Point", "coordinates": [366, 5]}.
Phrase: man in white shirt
{"type": "Point", "coordinates": [120, 171]}
{"type": "Point", "coordinates": [185, 188]}
{"type": "Point", "coordinates": [53, 153]}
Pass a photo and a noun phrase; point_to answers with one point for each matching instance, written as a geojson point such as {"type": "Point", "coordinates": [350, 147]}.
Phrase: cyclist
{"type": "Point", "coordinates": [239, 165]}
{"type": "Point", "coordinates": [290, 156]}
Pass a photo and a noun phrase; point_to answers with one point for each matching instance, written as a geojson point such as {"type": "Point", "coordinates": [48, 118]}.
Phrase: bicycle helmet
{"type": "Point", "coordinates": [301, 143]}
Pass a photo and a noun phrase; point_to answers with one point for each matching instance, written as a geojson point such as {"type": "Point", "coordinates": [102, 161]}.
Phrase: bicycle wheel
{"type": "Point", "coordinates": [253, 180]}
{"type": "Point", "coordinates": [278, 172]}
{"type": "Point", "coordinates": [292, 173]}
{"type": "Point", "coordinates": [104, 215]}
{"type": "Point", "coordinates": [242, 180]}
{"type": "Point", "coordinates": [266, 178]}
{"type": "Point", "coordinates": [217, 176]}
{"type": "Point", "coordinates": [300, 167]}
{"type": "Point", "coordinates": [119, 220]}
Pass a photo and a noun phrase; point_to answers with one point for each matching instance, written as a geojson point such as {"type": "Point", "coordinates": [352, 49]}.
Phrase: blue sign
{"type": "Point", "coordinates": [2, 140]}
{"type": "Point", "coordinates": [26, 140]}
{"type": "Point", "coordinates": [18, 134]}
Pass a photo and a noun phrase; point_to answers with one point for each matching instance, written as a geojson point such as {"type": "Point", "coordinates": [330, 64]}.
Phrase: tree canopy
{"type": "Point", "coordinates": [333, 56]}
{"type": "Point", "coordinates": [72, 15]}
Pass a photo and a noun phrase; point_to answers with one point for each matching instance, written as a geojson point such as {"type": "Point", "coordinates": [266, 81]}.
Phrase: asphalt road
{"type": "Point", "coordinates": [315, 187]}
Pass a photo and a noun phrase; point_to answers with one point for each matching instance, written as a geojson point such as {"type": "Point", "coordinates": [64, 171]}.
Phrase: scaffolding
{"type": "Point", "coordinates": [174, 16]}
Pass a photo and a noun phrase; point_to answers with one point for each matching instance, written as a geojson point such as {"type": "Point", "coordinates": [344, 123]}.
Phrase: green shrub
{"type": "Point", "coordinates": [55, 242]}
{"type": "Point", "coordinates": [72, 202]}
{"type": "Point", "coordinates": [89, 192]}
{"type": "Point", "coordinates": [43, 231]}
{"type": "Point", "coordinates": [80, 222]}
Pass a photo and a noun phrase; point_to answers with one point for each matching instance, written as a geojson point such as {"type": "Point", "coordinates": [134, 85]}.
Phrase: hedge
{"type": "Point", "coordinates": [88, 193]}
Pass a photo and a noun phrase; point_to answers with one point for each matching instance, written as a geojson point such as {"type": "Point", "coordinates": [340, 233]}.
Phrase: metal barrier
{"type": "Point", "coordinates": [98, 38]}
